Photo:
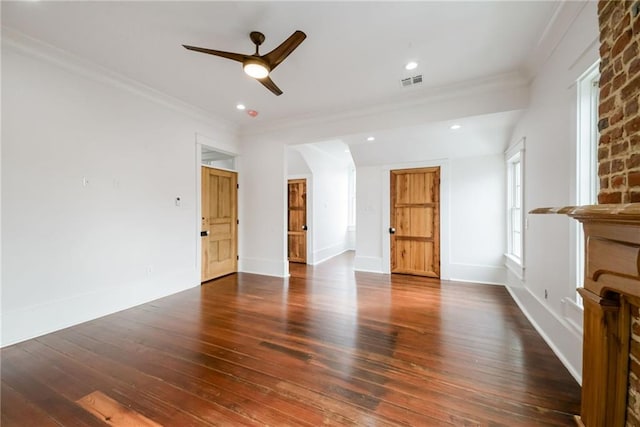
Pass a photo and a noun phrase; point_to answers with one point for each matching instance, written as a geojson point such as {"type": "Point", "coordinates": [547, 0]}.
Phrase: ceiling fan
{"type": "Point", "coordinates": [256, 65]}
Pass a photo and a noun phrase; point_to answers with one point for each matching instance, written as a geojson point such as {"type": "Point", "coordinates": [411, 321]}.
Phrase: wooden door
{"type": "Point", "coordinates": [415, 221]}
{"type": "Point", "coordinates": [219, 223]}
{"type": "Point", "coordinates": [297, 220]}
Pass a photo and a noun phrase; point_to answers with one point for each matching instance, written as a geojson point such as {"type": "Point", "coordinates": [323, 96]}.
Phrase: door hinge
{"type": "Point", "coordinates": [237, 257]}
{"type": "Point", "coordinates": [237, 186]}
{"type": "Point", "coordinates": [237, 222]}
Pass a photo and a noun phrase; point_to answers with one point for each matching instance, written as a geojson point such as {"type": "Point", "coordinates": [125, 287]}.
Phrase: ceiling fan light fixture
{"type": "Point", "coordinates": [256, 69]}
{"type": "Point", "coordinates": [411, 65]}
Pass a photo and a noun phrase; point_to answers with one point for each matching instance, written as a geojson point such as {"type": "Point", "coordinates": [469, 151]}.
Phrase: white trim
{"type": "Point", "coordinates": [66, 60]}
{"type": "Point", "coordinates": [516, 154]}
{"type": "Point", "coordinates": [51, 316]}
{"type": "Point", "coordinates": [557, 27]}
{"type": "Point", "coordinates": [264, 267]}
{"type": "Point", "coordinates": [514, 265]}
{"type": "Point", "coordinates": [506, 83]}
{"type": "Point", "coordinates": [586, 162]}
{"type": "Point", "coordinates": [559, 325]}
{"type": "Point", "coordinates": [445, 232]}
{"type": "Point", "coordinates": [474, 273]}
{"type": "Point", "coordinates": [368, 264]}
{"type": "Point", "coordinates": [573, 314]}
{"type": "Point", "coordinates": [201, 141]}
{"type": "Point", "coordinates": [325, 254]}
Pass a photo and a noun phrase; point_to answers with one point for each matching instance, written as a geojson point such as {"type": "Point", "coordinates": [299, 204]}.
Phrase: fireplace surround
{"type": "Point", "coordinates": [611, 295]}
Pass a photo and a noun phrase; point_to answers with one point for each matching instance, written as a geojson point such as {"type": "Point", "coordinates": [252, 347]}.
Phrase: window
{"type": "Point", "coordinates": [586, 156]}
{"type": "Point", "coordinates": [515, 208]}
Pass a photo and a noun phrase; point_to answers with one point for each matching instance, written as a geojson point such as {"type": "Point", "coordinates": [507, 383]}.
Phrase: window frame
{"type": "Point", "coordinates": [587, 136]}
{"type": "Point", "coordinates": [515, 208]}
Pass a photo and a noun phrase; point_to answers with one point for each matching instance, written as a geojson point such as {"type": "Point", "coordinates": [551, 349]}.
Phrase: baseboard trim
{"type": "Point", "coordinates": [329, 252]}
{"type": "Point", "coordinates": [368, 264]}
{"type": "Point", "coordinates": [573, 370]}
{"type": "Point", "coordinates": [486, 274]}
{"type": "Point", "coordinates": [31, 322]}
{"type": "Point", "coordinates": [265, 267]}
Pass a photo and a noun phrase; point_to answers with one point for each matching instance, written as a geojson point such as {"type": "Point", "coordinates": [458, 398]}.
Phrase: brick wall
{"type": "Point", "coordinates": [619, 120]}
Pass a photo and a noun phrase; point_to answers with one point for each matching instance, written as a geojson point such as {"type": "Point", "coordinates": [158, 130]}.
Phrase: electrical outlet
{"type": "Point", "coordinates": [149, 270]}
{"type": "Point", "coordinates": [546, 294]}
{"type": "Point", "coordinates": [85, 181]}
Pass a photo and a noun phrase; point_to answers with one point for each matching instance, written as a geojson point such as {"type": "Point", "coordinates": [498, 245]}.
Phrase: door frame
{"type": "Point", "coordinates": [445, 232]}
{"type": "Point", "coordinates": [311, 229]}
{"type": "Point", "coordinates": [201, 141]}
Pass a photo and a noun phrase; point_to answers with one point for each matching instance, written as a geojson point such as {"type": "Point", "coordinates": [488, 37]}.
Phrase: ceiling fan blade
{"type": "Point", "coordinates": [229, 55]}
{"type": "Point", "coordinates": [277, 55]}
{"type": "Point", "coordinates": [269, 84]}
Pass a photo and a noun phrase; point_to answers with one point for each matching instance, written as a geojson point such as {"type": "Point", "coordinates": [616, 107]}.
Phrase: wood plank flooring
{"type": "Point", "coordinates": [327, 346]}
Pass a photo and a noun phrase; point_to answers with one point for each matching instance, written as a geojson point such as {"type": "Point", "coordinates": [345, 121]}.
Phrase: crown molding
{"type": "Point", "coordinates": [71, 62]}
{"type": "Point", "coordinates": [415, 101]}
{"type": "Point", "coordinates": [563, 16]}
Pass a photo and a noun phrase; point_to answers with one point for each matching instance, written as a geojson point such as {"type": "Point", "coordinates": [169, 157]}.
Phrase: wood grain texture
{"type": "Point", "coordinates": [112, 412]}
{"type": "Point", "coordinates": [415, 216]}
{"type": "Point", "coordinates": [611, 288]}
{"type": "Point", "coordinates": [297, 220]}
{"type": "Point", "coordinates": [219, 220]}
{"type": "Point", "coordinates": [326, 346]}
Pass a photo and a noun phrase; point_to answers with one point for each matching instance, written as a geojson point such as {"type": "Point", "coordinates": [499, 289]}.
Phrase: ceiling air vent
{"type": "Point", "coordinates": [410, 81]}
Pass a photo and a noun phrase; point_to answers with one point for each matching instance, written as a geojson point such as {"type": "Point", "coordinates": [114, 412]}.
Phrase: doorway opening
{"type": "Point", "coordinates": [216, 210]}
{"type": "Point", "coordinates": [328, 170]}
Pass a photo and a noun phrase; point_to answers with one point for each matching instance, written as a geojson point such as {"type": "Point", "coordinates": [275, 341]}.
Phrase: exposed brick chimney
{"type": "Point", "coordinates": [619, 119]}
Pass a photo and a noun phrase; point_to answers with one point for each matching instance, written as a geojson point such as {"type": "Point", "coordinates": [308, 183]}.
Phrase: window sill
{"type": "Point", "coordinates": [514, 265]}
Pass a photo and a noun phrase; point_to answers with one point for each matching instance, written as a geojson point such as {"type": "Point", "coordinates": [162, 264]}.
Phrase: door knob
{"type": "Point", "coordinates": [304, 227]}
{"type": "Point", "coordinates": [204, 233]}
{"type": "Point", "coordinates": [392, 230]}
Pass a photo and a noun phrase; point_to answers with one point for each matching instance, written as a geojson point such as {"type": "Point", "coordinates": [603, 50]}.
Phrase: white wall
{"type": "Point", "coordinates": [262, 201]}
{"type": "Point", "coordinates": [369, 219]}
{"type": "Point", "coordinates": [296, 165]}
{"type": "Point", "coordinates": [478, 219]}
{"type": "Point", "coordinates": [328, 203]}
{"type": "Point", "coordinates": [91, 168]}
{"type": "Point", "coordinates": [549, 126]}
{"type": "Point", "coordinates": [472, 218]}
{"type": "Point", "coordinates": [262, 204]}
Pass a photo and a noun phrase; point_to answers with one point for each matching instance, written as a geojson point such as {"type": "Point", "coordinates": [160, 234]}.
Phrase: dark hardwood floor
{"type": "Point", "coordinates": [327, 346]}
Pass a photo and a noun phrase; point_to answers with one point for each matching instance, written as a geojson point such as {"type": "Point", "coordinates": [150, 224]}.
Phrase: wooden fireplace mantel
{"type": "Point", "coordinates": [611, 291]}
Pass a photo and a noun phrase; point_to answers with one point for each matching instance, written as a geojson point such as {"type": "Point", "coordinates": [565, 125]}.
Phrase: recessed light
{"type": "Point", "coordinates": [240, 107]}
{"type": "Point", "coordinates": [371, 138]}
{"type": "Point", "coordinates": [455, 127]}
{"type": "Point", "coordinates": [411, 65]}
{"type": "Point", "coordinates": [347, 151]}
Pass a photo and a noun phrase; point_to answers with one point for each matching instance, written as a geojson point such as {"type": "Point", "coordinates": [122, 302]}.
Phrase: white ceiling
{"type": "Point", "coordinates": [353, 56]}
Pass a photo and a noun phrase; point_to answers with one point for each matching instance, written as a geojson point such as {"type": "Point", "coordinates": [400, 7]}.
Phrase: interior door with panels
{"type": "Point", "coordinates": [415, 221]}
{"type": "Point", "coordinates": [297, 220]}
{"type": "Point", "coordinates": [219, 223]}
